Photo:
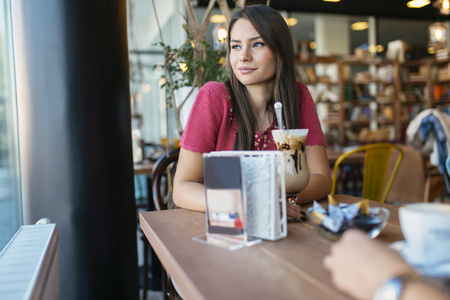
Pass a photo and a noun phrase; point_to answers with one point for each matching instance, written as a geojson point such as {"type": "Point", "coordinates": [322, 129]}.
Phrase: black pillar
{"type": "Point", "coordinates": [72, 76]}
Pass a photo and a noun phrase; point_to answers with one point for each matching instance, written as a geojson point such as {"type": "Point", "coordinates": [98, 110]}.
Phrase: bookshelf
{"type": "Point", "coordinates": [439, 82]}
{"type": "Point", "coordinates": [359, 97]}
{"type": "Point", "coordinates": [374, 100]}
{"type": "Point", "coordinates": [422, 84]}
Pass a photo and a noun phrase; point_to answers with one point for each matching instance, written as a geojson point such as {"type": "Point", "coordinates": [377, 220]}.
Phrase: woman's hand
{"type": "Point", "coordinates": [294, 211]}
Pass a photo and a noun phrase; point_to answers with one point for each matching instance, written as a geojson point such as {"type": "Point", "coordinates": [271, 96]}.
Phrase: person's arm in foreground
{"type": "Point", "coordinates": [359, 265]}
{"type": "Point", "coordinates": [319, 185]}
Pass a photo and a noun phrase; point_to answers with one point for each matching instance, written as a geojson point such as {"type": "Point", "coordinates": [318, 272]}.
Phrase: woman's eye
{"type": "Point", "coordinates": [258, 44]}
{"type": "Point", "coordinates": [235, 47]}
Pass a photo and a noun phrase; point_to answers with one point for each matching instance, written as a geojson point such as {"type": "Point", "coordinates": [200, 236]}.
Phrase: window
{"type": "Point", "coordinates": [10, 196]}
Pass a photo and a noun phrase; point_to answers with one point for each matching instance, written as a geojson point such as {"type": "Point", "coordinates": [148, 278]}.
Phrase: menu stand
{"type": "Point", "coordinates": [244, 198]}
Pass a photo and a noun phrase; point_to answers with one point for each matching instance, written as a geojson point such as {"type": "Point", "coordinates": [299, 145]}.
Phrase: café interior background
{"type": "Point", "coordinates": [147, 98]}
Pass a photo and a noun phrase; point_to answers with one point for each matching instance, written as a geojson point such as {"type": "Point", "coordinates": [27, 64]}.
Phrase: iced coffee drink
{"type": "Point", "coordinates": [291, 142]}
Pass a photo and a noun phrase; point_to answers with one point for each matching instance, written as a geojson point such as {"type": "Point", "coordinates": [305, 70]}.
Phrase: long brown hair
{"type": "Point", "coordinates": [275, 33]}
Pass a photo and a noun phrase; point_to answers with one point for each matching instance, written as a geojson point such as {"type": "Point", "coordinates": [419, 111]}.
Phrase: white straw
{"type": "Point", "coordinates": [279, 113]}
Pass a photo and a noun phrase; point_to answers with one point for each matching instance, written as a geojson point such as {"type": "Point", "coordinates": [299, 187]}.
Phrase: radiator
{"type": "Point", "coordinates": [29, 267]}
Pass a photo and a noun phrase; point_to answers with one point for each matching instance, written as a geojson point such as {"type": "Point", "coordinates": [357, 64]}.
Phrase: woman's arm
{"type": "Point", "coordinates": [188, 187]}
{"type": "Point", "coordinates": [319, 185]}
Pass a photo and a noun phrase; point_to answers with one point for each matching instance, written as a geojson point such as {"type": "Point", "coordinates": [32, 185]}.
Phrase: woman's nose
{"type": "Point", "coordinates": [245, 55]}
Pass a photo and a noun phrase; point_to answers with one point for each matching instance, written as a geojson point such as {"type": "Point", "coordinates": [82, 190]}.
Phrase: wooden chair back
{"type": "Point", "coordinates": [417, 180]}
{"type": "Point", "coordinates": [163, 174]}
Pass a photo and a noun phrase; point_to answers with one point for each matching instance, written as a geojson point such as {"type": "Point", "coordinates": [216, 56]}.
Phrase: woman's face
{"type": "Point", "coordinates": [252, 61]}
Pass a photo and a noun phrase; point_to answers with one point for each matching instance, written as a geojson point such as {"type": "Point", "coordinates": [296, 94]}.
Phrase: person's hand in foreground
{"type": "Point", "coordinates": [359, 265]}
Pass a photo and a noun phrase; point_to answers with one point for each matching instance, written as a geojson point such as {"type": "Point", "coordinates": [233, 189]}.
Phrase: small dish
{"type": "Point", "coordinates": [372, 224]}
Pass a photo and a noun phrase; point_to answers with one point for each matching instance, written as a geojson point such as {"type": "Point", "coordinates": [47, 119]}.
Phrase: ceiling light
{"type": "Point", "coordinates": [222, 34]}
{"type": "Point", "coordinates": [417, 3]}
{"type": "Point", "coordinates": [443, 6]}
{"type": "Point", "coordinates": [217, 19]}
{"type": "Point", "coordinates": [331, 0]}
{"type": "Point", "coordinates": [437, 35]}
{"type": "Point", "coordinates": [372, 48]}
{"type": "Point", "coordinates": [359, 26]}
{"type": "Point", "coordinates": [291, 21]}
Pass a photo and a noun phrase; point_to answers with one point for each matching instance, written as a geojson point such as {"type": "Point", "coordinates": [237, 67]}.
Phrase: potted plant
{"type": "Point", "coordinates": [191, 65]}
{"type": "Point", "coordinates": [186, 71]}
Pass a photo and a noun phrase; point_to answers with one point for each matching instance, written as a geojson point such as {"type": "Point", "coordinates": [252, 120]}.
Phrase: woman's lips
{"type": "Point", "coordinates": [246, 70]}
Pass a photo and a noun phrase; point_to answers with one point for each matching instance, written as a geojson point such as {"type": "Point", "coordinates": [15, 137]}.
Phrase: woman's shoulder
{"type": "Point", "coordinates": [213, 95]}
{"type": "Point", "coordinates": [215, 86]}
{"type": "Point", "coordinates": [216, 92]}
{"type": "Point", "coordinates": [301, 86]}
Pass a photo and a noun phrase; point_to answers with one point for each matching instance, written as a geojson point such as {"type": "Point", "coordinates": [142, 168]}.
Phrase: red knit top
{"type": "Point", "coordinates": [211, 126]}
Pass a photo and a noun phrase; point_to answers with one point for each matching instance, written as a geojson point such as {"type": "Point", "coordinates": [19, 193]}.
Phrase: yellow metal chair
{"type": "Point", "coordinates": [376, 165]}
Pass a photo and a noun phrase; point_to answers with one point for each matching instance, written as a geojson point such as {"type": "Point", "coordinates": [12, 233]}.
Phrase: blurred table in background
{"type": "Point", "coordinates": [334, 155]}
{"type": "Point", "coordinates": [144, 198]}
{"type": "Point", "coordinates": [351, 172]}
{"type": "Point", "coordinates": [144, 168]}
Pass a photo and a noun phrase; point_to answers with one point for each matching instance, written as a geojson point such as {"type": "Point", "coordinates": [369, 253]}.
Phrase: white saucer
{"type": "Point", "coordinates": [441, 270]}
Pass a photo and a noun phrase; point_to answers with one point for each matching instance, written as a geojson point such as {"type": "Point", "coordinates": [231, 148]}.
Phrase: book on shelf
{"type": "Point", "coordinates": [359, 114]}
{"type": "Point", "coordinates": [327, 95]}
{"type": "Point", "coordinates": [386, 95]}
{"type": "Point", "coordinates": [404, 74]}
{"type": "Point", "coordinates": [442, 54]}
{"type": "Point", "coordinates": [301, 74]}
{"type": "Point", "coordinates": [362, 92]}
{"type": "Point", "coordinates": [409, 112]}
{"type": "Point", "coordinates": [306, 74]}
{"type": "Point", "coordinates": [332, 120]}
{"type": "Point", "coordinates": [386, 73]}
{"type": "Point", "coordinates": [444, 72]}
{"type": "Point", "coordinates": [311, 74]}
{"type": "Point", "coordinates": [355, 113]}
{"type": "Point", "coordinates": [388, 113]}
{"type": "Point", "coordinates": [416, 77]}
{"type": "Point", "coordinates": [439, 91]}
{"type": "Point", "coordinates": [413, 95]}
{"type": "Point", "coordinates": [444, 98]}
{"type": "Point", "coordinates": [358, 90]}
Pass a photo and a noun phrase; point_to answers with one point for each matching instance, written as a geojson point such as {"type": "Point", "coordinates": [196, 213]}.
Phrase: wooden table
{"type": "Point", "coordinates": [144, 168]}
{"type": "Point", "coordinates": [290, 268]}
{"type": "Point", "coordinates": [357, 157]}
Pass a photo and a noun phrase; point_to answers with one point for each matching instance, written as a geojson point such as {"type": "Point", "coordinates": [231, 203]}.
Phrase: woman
{"type": "Point", "coordinates": [239, 114]}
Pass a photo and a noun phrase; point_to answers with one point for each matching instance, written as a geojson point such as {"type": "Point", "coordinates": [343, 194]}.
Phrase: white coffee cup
{"type": "Point", "coordinates": [426, 228]}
